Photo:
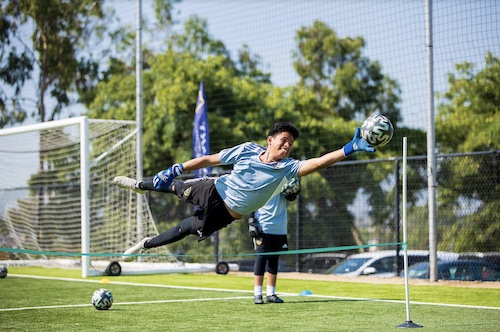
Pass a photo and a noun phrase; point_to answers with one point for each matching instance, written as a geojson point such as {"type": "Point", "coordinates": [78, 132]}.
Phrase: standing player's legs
{"type": "Point", "coordinates": [259, 271]}
{"type": "Point", "coordinates": [267, 243]}
{"type": "Point", "coordinates": [272, 276]}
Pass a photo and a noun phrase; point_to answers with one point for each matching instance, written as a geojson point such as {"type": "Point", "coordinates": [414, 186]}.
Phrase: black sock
{"type": "Point", "coordinates": [172, 235]}
{"type": "Point", "coordinates": [148, 185]}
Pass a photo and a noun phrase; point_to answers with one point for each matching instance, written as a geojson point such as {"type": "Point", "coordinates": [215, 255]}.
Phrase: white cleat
{"type": "Point", "coordinates": [136, 249]}
{"type": "Point", "coordinates": [128, 183]}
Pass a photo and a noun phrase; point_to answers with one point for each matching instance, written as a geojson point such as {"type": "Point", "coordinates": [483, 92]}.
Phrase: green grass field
{"type": "Point", "coordinates": [211, 302]}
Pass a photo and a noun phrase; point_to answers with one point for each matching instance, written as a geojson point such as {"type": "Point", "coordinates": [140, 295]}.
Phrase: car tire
{"type": "Point", "coordinates": [222, 268]}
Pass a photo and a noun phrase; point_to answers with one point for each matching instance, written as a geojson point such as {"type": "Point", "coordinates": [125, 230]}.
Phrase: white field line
{"type": "Point", "coordinates": [218, 299]}
{"type": "Point", "coordinates": [128, 303]}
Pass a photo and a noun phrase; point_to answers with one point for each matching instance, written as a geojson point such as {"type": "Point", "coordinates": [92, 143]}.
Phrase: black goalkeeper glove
{"type": "Point", "coordinates": [291, 189]}
{"type": "Point", "coordinates": [254, 227]}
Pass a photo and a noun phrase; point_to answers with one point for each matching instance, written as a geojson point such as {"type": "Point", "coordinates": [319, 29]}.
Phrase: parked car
{"type": "Point", "coordinates": [491, 257]}
{"type": "Point", "coordinates": [381, 263]}
{"type": "Point", "coordinates": [319, 263]}
{"type": "Point", "coordinates": [459, 269]}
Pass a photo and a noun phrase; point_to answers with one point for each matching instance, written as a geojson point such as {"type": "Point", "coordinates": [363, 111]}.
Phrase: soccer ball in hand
{"type": "Point", "coordinates": [102, 299]}
{"type": "Point", "coordinates": [377, 130]}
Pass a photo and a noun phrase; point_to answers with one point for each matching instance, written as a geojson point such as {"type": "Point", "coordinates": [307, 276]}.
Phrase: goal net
{"type": "Point", "coordinates": [57, 204]}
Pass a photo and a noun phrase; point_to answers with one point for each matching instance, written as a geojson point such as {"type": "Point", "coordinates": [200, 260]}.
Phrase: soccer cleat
{"type": "Point", "coordinates": [273, 299]}
{"type": "Point", "coordinates": [136, 249]}
{"type": "Point", "coordinates": [128, 183]}
{"type": "Point", "coordinates": [257, 299]}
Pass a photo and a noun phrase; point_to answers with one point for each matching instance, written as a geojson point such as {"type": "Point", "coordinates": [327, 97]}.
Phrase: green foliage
{"type": "Point", "coordinates": [61, 30]}
{"type": "Point", "coordinates": [344, 80]}
{"type": "Point", "coordinates": [15, 69]}
{"type": "Point", "coordinates": [468, 116]}
{"type": "Point", "coordinates": [163, 12]}
{"type": "Point", "coordinates": [468, 120]}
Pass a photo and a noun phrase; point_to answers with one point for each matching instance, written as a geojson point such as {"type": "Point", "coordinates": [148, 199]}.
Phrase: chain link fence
{"type": "Point", "coordinates": [356, 206]}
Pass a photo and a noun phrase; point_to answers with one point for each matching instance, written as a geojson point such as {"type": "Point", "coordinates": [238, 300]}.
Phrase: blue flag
{"type": "Point", "coordinates": [201, 138]}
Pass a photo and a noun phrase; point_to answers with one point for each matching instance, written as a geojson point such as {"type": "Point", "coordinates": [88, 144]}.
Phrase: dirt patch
{"type": "Point", "coordinates": [378, 281]}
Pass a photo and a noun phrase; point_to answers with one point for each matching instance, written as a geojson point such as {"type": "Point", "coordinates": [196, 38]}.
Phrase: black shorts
{"type": "Point", "coordinates": [211, 213]}
{"type": "Point", "coordinates": [271, 243]}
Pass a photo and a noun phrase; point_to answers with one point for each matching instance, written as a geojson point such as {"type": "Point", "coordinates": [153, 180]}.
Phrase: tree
{"type": "Point", "coordinates": [469, 112]}
{"type": "Point", "coordinates": [170, 86]}
{"type": "Point", "coordinates": [61, 31]}
{"type": "Point", "coordinates": [467, 121]}
{"type": "Point", "coordinates": [344, 80]}
{"type": "Point", "coordinates": [15, 69]}
{"type": "Point", "coordinates": [346, 86]}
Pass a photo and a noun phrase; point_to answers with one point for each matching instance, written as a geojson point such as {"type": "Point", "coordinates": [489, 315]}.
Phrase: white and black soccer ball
{"type": "Point", "coordinates": [102, 299]}
{"type": "Point", "coordinates": [377, 130]}
{"type": "Point", "coordinates": [3, 272]}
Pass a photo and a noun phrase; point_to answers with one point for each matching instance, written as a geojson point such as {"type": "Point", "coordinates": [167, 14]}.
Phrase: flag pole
{"type": "Point", "coordinates": [201, 145]}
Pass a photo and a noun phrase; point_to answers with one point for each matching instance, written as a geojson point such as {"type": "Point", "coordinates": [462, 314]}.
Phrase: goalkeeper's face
{"type": "Point", "coordinates": [279, 146]}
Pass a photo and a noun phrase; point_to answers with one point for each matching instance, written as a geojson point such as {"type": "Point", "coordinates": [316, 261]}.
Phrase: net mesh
{"type": "Point", "coordinates": [40, 195]}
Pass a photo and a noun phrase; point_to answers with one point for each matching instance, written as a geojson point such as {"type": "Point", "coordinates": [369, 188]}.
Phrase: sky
{"type": "Point", "coordinates": [394, 32]}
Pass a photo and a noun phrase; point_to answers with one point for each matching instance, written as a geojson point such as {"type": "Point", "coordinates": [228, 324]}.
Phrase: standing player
{"type": "Point", "coordinates": [268, 228]}
{"type": "Point", "coordinates": [258, 175]}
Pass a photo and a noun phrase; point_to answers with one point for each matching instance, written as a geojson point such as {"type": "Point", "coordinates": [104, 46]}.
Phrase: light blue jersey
{"type": "Point", "coordinates": [252, 183]}
{"type": "Point", "coordinates": [272, 217]}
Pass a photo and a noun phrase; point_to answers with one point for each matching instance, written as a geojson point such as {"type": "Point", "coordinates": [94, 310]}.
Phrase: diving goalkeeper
{"type": "Point", "coordinates": [258, 174]}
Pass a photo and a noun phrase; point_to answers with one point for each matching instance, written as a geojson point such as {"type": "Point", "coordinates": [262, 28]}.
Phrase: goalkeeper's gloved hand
{"type": "Point", "coordinates": [254, 229]}
{"type": "Point", "coordinates": [163, 179]}
{"type": "Point", "coordinates": [357, 144]}
{"type": "Point", "coordinates": [291, 189]}
{"type": "Point", "coordinates": [253, 226]}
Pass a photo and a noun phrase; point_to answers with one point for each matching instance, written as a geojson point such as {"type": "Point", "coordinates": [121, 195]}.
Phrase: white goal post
{"type": "Point", "coordinates": [56, 197]}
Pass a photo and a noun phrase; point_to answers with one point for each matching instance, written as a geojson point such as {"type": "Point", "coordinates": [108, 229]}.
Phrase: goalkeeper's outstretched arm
{"type": "Point", "coordinates": [163, 180]}
{"type": "Point", "coordinates": [201, 162]}
{"type": "Point", "coordinates": [357, 144]}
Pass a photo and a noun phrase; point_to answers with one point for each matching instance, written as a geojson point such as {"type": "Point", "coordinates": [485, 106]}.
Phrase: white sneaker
{"type": "Point", "coordinates": [136, 249]}
{"type": "Point", "coordinates": [128, 183]}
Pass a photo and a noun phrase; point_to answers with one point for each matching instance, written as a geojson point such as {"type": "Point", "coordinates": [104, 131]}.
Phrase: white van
{"type": "Point", "coordinates": [382, 263]}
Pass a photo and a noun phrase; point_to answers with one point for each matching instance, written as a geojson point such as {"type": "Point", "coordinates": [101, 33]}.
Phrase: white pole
{"type": "Point", "coordinates": [408, 323]}
{"type": "Point", "coordinates": [431, 155]}
{"type": "Point", "coordinates": [84, 194]}
{"type": "Point", "coordinates": [42, 126]}
{"type": "Point", "coordinates": [405, 236]}
{"type": "Point", "coordinates": [138, 116]}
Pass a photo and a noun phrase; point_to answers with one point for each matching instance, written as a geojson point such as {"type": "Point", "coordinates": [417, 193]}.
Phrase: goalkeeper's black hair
{"type": "Point", "coordinates": [281, 127]}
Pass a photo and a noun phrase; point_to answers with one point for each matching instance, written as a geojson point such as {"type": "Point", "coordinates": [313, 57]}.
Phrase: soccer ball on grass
{"type": "Point", "coordinates": [3, 272]}
{"type": "Point", "coordinates": [377, 130]}
{"type": "Point", "coordinates": [102, 299]}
